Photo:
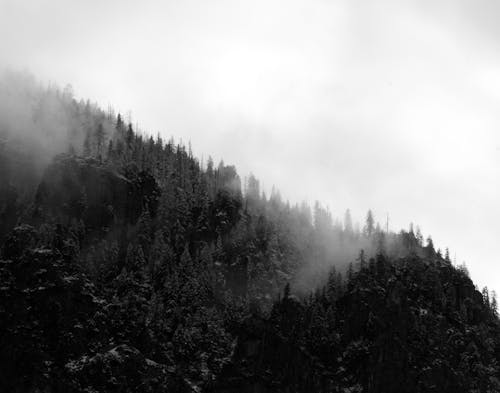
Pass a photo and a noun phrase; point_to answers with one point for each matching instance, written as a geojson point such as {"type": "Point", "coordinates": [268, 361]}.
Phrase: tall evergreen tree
{"type": "Point", "coordinates": [370, 224]}
{"type": "Point", "coordinates": [348, 228]}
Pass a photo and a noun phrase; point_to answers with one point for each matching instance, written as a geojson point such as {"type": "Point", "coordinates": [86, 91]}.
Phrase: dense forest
{"type": "Point", "coordinates": [129, 265]}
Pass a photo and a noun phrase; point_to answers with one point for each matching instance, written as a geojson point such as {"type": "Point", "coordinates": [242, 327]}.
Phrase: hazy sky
{"type": "Point", "coordinates": [389, 105]}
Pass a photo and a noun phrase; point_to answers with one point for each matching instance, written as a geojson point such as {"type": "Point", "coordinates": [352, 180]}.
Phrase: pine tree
{"type": "Point", "coordinates": [381, 243]}
{"type": "Point", "coordinates": [110, 155]}
{"type": "Point", "coordinates": [350, 272]}
{"type": "Point", "coordinates": [370, 222]}
{"type": "Point", "coordinates": [429, 248]}
{"type": "Point", "coordinates": [486, 297]}
{"type": "Point", "coordinates": [286, 291]}
{"type": "Point", "coordinates": [87, 150]}
{"type": "Point", "coordinates": [129, 139]}
{"type": "Point", "coordinates": [494, 305]}
{"type": "Point", "coordinates": [99, 137]}
{"type": "Point", "coordinates": [348, 228]}
{"type": "Point", "coordinates": [119, 126]}
{"type": "Point", "coordinates": [331, 285]}
{"type": "Point", "coordinates": [186, 261]}
{"type": "Point", "coordinates": [361, 259]}
{"type": "Point", "coordinates": [419, 237]}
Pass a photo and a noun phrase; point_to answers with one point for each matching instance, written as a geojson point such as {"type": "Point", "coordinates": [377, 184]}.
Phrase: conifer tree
{"type": "Point", "coordinates": [99, 137]}
{"type": "Point", "coordinates": [429, 248]}
{"type": "Point", "coordinates": [348, 228]}
{"type": "Point", "coordinates": [286, 291]}
{"type": "Point", "coordinates": [361, 259]}
{"type": "Point", "coordinates": [87, 149]}
{"type": "Point", "coordinates": [494, 305]}
{"type": "Point", "coordinates": [370, 222]}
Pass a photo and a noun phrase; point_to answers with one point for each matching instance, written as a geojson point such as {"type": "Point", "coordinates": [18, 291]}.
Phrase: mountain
{"type": "Point", "coordinates": [128, 265]}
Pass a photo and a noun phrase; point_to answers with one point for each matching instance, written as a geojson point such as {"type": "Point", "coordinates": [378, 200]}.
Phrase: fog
{"type": "Point", "coordinates": [38, 122]}
{"type": "Point", "coordinates": [389, 105]}
{"type": "Point", "coordinates": [33, 121]}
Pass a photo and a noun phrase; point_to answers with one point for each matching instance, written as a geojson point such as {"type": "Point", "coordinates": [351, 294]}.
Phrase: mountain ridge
{"type": "Point", "coordinates": [127, 266]}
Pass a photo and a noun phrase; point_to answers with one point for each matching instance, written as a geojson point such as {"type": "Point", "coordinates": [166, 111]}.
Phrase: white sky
{"type": "Point", "coordinates": [389, 105]}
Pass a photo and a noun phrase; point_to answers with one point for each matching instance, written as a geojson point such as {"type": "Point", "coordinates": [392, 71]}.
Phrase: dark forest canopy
{"type": "Point", "coordinates": [128, 265]}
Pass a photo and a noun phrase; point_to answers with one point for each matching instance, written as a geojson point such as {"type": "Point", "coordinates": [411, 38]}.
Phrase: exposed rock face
{"type": "Point", "coordinates": [82, 188]}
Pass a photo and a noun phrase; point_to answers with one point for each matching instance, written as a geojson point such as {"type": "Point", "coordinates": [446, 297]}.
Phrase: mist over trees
{"type": "Point", "coordinates": [129, 265]}
{"type": "Point", "coordinates": [289, 237]}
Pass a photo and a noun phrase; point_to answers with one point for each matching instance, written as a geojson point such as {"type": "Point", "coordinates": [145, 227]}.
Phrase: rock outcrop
{"type": "Point", "coordinates": [85, 189]}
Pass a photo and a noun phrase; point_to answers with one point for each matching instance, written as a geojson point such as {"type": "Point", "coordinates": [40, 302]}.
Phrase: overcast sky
{"type": "Point", "coordinates": [389, 105]}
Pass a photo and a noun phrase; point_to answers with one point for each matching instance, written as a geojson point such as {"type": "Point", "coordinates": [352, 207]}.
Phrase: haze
{"type": "Point", "coordinates": [388, 105]}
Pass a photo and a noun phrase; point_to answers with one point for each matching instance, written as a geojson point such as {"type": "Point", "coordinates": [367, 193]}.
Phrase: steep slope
{"type": "Point", "coordinates": [127, 265]}
{"type": "Point", "coordinates": [409, 325]}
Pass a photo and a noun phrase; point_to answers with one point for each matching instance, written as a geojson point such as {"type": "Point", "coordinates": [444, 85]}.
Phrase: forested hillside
{"type": "Point", "coordinates": [129, 265]}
